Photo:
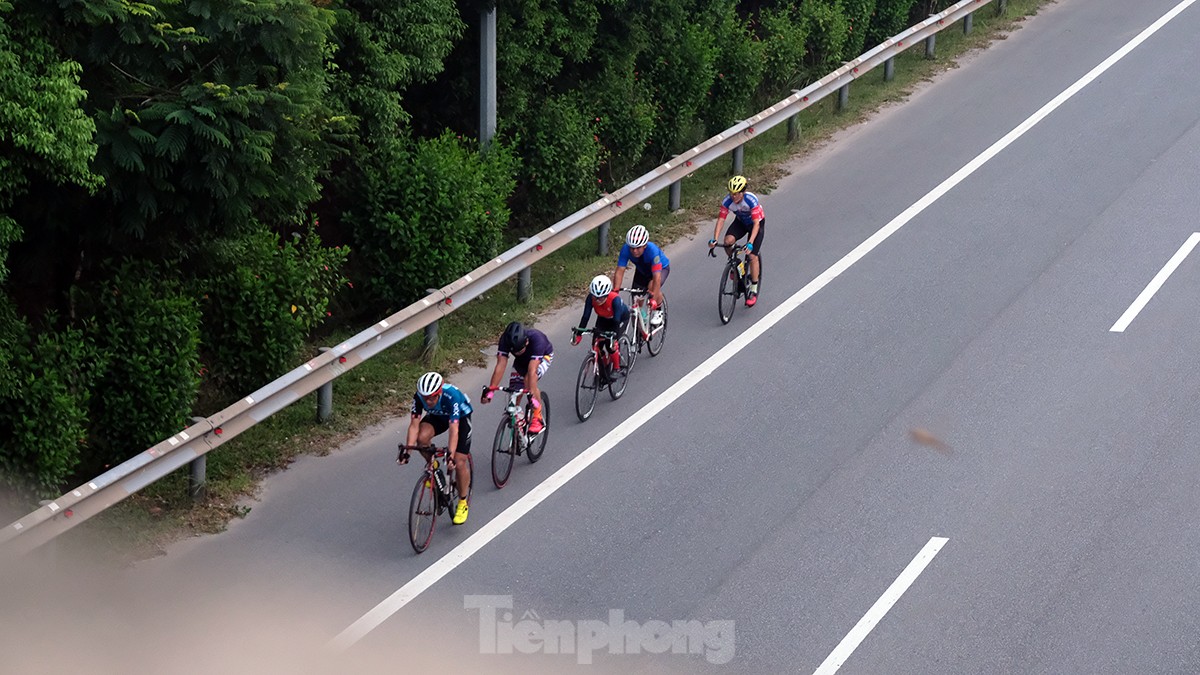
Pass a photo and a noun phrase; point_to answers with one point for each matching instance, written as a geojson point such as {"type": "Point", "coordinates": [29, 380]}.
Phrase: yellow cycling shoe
{"type": "Point", "coordinates": [460, 516]}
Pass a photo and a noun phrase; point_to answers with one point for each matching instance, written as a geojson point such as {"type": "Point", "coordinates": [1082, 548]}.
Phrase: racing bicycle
{"type": "Point", "coordinates": [640, 332]}
{"type": "Point", "coordinates": [435, 493]}
{"type": "Point", "coordinates": [735, 280]}
{"type": "Point", "coordinates": [596, 371]}
{"type": "Point", "coordinates": [513, 437]}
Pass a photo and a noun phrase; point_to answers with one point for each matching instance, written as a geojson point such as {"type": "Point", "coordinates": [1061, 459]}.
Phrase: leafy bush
{"type": "Point", "coordinates": [562, 157]}
{"type": "Point", "coordinates": [858, 14]}
{"type": "Point", "coordinates": [44, 397]}
{"type": "Point", "coordinates": [828, 29]}
{"type": "Point", "coordinates": [891, 17]}
{"type": "Point", "coordinates": [784, 38]}
{"type": "Point", "coordinates": [679, 68]}
{"type": "Point", "coordinates": [739, 65]}
{"type": "Point", "coordinates": [265, 296]}
{"type": "Point", "coordinates": [624, 118]}
{"type": "Point", "coordinates": [432, 217]}
{"type": "Point", "coordinates": [149, 327]}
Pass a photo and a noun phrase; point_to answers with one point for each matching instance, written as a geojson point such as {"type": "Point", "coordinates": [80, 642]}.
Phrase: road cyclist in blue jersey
{"type": "Point", "coordinates": [749, 221]}
{"type": "Point", "coordinates": [651, 268]}
{"type": "Point", "coordinates": [438, 407]}
{"type": "Point", "coordinates": [612, 314]}
{"type": "Point", "coordinates": [532, 354]}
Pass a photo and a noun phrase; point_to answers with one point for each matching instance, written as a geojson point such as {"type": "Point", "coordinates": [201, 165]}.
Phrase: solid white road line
{"type": "Point", "coordinates": [856, 635]}
{"type": "Point", "coordinates": [430, 575]}
{"type": "Point", "coordinates": [1155, 284]}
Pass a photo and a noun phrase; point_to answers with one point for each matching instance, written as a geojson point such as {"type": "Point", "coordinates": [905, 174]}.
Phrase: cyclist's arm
{"type": "Point", "coordinates": [721, 216]}
{"type": "Point", "coordinates": [453, 439]}
{"type": "Point", "coordinates": [656, 286]}
{"type": "Point", "coordinates": [498, 372]}
{"type": "Point", "coordinates": [414, 426]}
{"type": "Point", "coordinates": [620, 310]}
{"type": "Point", "coordinates": [531, 378]}
{"type": "Point", "coordinates": [756, 217]}
{"type": "Point", "coordinates": [618, 275]}
{"type": "Point", "coordinates": [587, 313]}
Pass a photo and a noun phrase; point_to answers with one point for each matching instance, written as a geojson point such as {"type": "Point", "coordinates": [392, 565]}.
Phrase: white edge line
{"type": "Point", "coordinates": [864, 626]}
{"type": "Point", "coordinates": [444, 565]}
{"type": "Point", "coordinates": [1156, 283]}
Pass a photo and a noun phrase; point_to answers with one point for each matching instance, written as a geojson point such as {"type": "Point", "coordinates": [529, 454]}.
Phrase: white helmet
{"type": "Point", "coordinates": [429, 384]}
{"type": "Point", "coordinates": [637, 236]}
{"type": "Point", "coordinates": [601, 286]}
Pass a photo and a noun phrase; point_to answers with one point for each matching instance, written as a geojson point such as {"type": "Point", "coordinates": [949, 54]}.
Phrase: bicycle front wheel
{"type": "Point", "coordinates": [727, 300]}
{"type": "Point", "coordinates": [538, 446]}
{"type": "Point", "coordinates": [658, 334]}
{"type": "Point", "coordinates": [617, 386]}
{"type": "Point", "coordinates": [585, 388]}
{"type": "Point", "coordinates": [422, 513]}
{"type": "Point", "coordinates": [503, 449]}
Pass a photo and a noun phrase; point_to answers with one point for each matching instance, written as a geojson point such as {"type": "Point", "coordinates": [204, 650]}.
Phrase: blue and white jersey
{"type": "Point", "coordinates": [452, 404]}
{"type": "Point", "coordinates": [746, 211]}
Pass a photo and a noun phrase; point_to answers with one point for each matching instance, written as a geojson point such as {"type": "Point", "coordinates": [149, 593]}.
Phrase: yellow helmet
{"type": "Point", "coordinates": [737, 184]}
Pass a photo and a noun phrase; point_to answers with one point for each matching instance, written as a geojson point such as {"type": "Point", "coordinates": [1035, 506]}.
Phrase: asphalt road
{"type": "Point", "coordinates": [773, 502]}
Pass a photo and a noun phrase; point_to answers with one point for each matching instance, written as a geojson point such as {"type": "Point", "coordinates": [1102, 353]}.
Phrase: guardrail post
{"type": "Point", "coordinates": [198, 474]}
{"type": "Point", "coordinates": [739, 157]}
{"type": "Point", "coordinates": [967, 23]}
{"type": "Point", "coordinates": [430, 343]}
{"type": "Point", "coordinates": [1001, 7]}
{"type": "Point", "coordinates": [524, 284]}
{"type": "Point", "coordinates": [674, 193]}
{"type": "Point", "coordinates": [325, 397]}
{"type": "Point", "coordinates": [793, 130]}
{"type": "Point", "coordinates": [602, 241]}
{"type": "Point", "coordinates": [930, 46]}
{"type": "Point", "coordinates": [843, 97]}
{"type": "Point", "coordinates": [889, 69]}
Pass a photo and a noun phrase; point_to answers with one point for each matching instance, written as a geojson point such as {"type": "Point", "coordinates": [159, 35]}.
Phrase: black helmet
{"type": "Point", "coordinates": [514, 336]}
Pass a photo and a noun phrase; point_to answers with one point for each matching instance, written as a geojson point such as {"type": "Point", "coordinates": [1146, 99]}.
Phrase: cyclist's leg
{"type": "Point", "coordinates": [425, 433]}
{"type": "Point", "coordinates": [735, 231]}
{"type": "Point", "coordinates": [463, 449]}
{"type": "Point", "coordinates": [758, 243]}
{"type": "Point", "coordinates": [608, 347]}
{"type": "Point", "coordinates": [535, 387]}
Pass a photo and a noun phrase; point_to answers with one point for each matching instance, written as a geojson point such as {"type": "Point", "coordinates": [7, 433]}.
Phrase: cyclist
{"type": "Point", "coordinates": [651, 267]}
{"type": "Point", "coordinates": [439, 407]}
{"type": "Point", "coordinates": [533, 353]}
{"type": "Point", "coordinates": [612, 314]}
{"type": "Point", "coordinates": [749, 221]}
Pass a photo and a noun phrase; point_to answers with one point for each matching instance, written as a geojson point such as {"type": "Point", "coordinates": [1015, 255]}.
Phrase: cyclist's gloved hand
{"type": "Point", "coordinates": [486, 396]}
{"type": "Point", "coordinates": [575, 339]}
{"type": "Point", "coordinates": [749, 247]}
{"type": "Point", "coordinates": [712, 243]}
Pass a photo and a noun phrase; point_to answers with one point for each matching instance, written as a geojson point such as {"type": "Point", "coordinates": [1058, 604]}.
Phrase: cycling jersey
{"type": "Point", "coordinates": [650, 261]}
{"type": "Point", "coordinates": [539, 348]}
{"type": "Point", "coordinates": [746, 211]}
{"type": "Point", "coordinates": [611, 307]}
{"type": "Point", "coordinates": [453, 404]}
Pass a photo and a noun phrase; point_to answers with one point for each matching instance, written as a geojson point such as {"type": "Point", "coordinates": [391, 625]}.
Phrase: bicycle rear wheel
{"type": "Point", "coordinates": [585, 388]}
{"type": "Point", "coordinates": [422, 513]}
{"type": "Point", "coordinates": [503, 450]}
{"type": "Point", "coordinates": [727, 300]}
{"type": "Point", "coordinates": [538, 446]}
{"type": "Point", "coordinates": [617, 386]}
{"type": "Point", "coordinates": [658, 334]}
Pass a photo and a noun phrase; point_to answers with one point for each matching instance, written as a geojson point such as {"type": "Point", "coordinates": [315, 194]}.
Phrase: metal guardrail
{"type": "Point", "coordinates": [61, 514]}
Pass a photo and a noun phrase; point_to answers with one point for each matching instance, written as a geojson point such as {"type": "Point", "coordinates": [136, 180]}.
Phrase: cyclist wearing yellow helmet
{"type": "Point", "coordinates": [749, 221]}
